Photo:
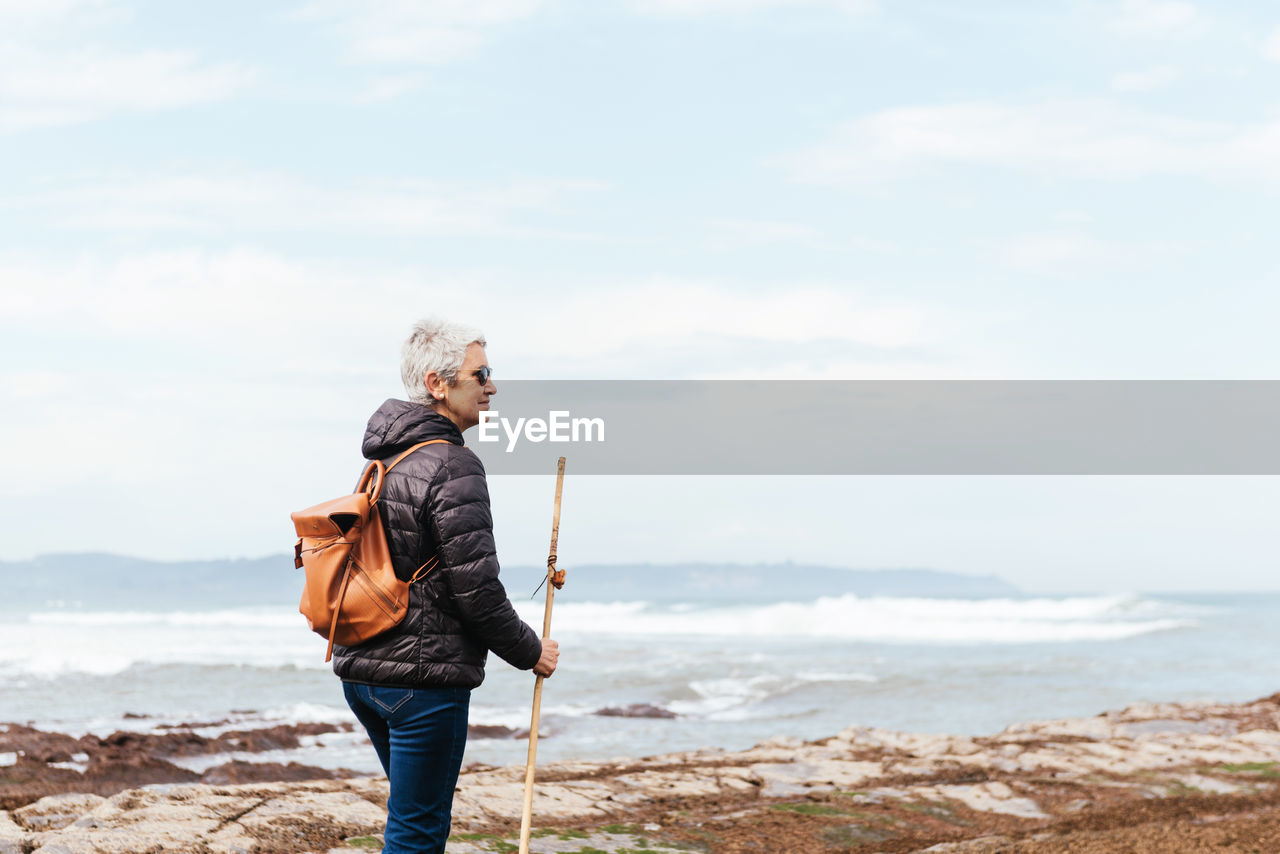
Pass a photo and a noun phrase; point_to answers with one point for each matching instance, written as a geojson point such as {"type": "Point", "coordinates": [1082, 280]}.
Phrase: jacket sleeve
{"type": "Point", "coordinates": [458, 511]}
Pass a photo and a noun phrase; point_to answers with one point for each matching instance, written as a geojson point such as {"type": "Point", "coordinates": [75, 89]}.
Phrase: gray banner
{"type": "Point", "coordinates": [882, 427]}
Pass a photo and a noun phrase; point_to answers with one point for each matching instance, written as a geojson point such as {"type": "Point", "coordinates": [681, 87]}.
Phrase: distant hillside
{"type": "Point", "coordinates": [115, 582]}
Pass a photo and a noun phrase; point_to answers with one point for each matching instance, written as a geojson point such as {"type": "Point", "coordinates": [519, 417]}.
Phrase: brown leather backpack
{"type": "Point", "coordinates": [351, 591]}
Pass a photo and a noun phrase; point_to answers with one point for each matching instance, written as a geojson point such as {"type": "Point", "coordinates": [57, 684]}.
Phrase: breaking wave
{"type": "Point", "coordinates": [890, 619]}
{"type": "Point", "coordinates": [53, 642]}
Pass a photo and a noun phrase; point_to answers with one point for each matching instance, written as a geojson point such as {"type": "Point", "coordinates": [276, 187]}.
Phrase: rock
{"type": "Point", "coordinates": [182, 741]}
{"type": "Point", "coordinates": [13, 838]}
{"type": "Point", "coordinates": [239, 771]}
{"type": "Point", "coordinates": [635, 710]}
{"type": "Point", "coordinates": [49, 763]}
{"type": "Point", "coordinates": [113, 771]}
{"type": "Point", "coordinates": [781, 779]}
{"type": "Point", "coordinates": [8, 828]}
{"type": "Point", "coordinates": [37, 745]}
{"type": "Point", "coordinates": [982, 845]}
{"type": "Point", "coordinates": [338, 807]}
{"type": "Point", "coordinates": [56, 811]}
{"type": "Point", "coordinates": [494, 731]}
{"type": "Point", "coordinates": [1201, 783]}
{"type": "Point", "coordinates": [991, 797]}
{"type": "Point", "coordinates": [942, 788]}
{"type": "Point", "coordinates": [232, 839]}
{"type": "Point", "coordinates": [551, 802]}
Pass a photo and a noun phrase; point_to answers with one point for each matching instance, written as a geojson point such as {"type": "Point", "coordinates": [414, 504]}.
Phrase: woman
{"type": "Point", "coordinates": [411, 686]}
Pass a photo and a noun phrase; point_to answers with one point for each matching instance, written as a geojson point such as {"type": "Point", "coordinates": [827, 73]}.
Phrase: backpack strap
{"type": "Point", "coordinates": [424, 570]}
{"type": "Point", "coordinates": [397, 460]}
{"type": "Point", "coordinates": [333, 625]}
{"type": "Point", "coordinates": [367, 473]}
{"type": "Point", "coordinates": [434, 560]}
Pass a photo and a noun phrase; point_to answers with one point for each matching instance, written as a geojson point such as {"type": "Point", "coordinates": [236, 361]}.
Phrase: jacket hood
{"type": "Point", "coordinates": [400, 424]}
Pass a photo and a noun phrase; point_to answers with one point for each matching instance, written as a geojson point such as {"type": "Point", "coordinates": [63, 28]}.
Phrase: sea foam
{"type": "Point", "coordinates": [889, 619]}
{"type": "Point", "coordinates": [54, 642]}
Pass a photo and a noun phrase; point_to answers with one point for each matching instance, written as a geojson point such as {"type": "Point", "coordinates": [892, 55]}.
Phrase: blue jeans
{"type": "Point", "coordinates": [419, 734]}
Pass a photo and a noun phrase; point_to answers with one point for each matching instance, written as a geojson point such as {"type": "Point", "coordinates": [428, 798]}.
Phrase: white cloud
{"type": "Point", "coordinates": [267, 202]}
{"type": "Point", "coordinates": [391, 86]}
{"type": "Point", "coordinates": [834, 370]}
{"type": "Point", "coordinates": [28, 18]}
{"type": "Point", "coordinates": [403, 31]}
{"type": "Point", "coordinates": [1091, 139]}
{"type": "Point", "coordinates": [1271, 47]}
{"type": "Point", "coordinates": [285, 315]}
{"type": "Point", "coordinates": [1156, 18]}
{"type": "Point", "coordinates": [187, 295]}
{"type": "Point", "coordinates": [672, 313]}
{"type": "Point", "coordinates": [55, 68]}
{"type": "Point", "coordinates": [702, 7]}
{"type": "Point", "coordinates": [1074, 216]}
{"type": "Point", "coordinates": [25, 385]}
{"type": "Point", "coordinates": [1056, 251]}
{"type": "Point", "coordinates": [746, 232]}
{"type": "Point", "coordinates": [1146, 80]}
{"type": "Point", "coordinates": [1071, 252]}
{"type": "Point", "coordinates": [174, 346]}
{"type": "Point", "coordinates": [732, 234]}
{"type": "Point", "coordinates": [687, 327]}
{"type": "Point", "coordinates": [222, 336]}
{"type": "Point", "coordinates": [251, 374]}
{"type": "Point", "coordinates": [42, 88]}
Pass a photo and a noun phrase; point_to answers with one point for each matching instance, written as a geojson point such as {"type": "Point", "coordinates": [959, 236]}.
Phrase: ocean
{"type": "Point", "coordinates": [732, 675]}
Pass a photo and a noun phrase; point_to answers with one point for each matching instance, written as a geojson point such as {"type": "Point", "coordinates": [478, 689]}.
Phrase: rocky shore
{"type": "Point", "coordinates": [1151, 778]}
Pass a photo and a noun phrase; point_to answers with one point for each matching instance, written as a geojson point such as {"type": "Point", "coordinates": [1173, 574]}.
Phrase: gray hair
{"type": "Point", "coordinates": [434, 345]}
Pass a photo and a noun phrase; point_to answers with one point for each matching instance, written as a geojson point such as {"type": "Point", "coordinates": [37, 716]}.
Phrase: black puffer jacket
{"type": "Point", "coordinates": [437, 500]}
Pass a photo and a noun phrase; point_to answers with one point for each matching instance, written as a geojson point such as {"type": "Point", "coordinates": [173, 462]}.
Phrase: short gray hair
{"type": "Point", "coordinates": [434, 345]}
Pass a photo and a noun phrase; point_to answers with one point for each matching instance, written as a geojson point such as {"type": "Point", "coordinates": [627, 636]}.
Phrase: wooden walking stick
{"type": "Point", "coordinates": [555, 577]}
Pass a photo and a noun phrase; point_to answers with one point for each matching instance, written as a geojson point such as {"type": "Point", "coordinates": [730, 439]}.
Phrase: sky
{"type": "Point", "coordinates": [219, 221]}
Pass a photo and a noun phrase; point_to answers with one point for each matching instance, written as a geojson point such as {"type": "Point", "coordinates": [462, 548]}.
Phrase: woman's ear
{"type": "Point", "coordinates": [435, 385]}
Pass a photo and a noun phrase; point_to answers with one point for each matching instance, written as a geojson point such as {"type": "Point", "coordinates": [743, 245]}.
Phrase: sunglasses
{"type": "Point", "coordinates": [483, 374]}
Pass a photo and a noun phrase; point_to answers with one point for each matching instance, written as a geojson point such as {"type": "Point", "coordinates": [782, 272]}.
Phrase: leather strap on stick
{"type": "Point", "coordinates": [556, 576]}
